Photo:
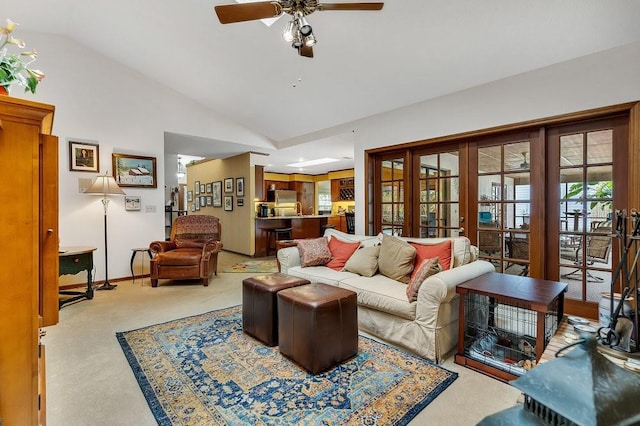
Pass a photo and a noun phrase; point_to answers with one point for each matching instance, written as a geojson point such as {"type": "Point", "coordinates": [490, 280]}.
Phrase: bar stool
{"type": "Point", "coordinates": [279, 234]}
{"type": "Point", "coordinates": [327, 226]}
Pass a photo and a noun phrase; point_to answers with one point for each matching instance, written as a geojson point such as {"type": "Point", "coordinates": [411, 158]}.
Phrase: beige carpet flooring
{"type": "Point", "coordinates": [89, 381]}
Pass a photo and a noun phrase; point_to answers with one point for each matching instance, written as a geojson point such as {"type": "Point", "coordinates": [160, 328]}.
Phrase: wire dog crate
{"type": "Point", "coordinates": [506, 322]}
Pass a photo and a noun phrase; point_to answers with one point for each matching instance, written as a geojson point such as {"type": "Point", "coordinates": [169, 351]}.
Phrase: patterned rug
{"type": "Point", "coordinates": [257, 266]}
{"type": "Point", "coordinates": [203, 370]}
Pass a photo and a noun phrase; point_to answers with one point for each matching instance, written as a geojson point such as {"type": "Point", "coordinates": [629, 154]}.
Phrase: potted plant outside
{"type": "Point", "coordinates": [14, 66]}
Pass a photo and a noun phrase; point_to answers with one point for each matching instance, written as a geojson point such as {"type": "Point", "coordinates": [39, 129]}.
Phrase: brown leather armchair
{"type": "Point", "coordinates": [191, 253]}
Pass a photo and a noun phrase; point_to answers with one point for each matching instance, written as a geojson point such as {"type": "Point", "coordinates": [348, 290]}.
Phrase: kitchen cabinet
{"type": "Point", "coordinates": [259, 183]}
{"type": "Point", "coordinates": [342, 189]}
{"type": "Point", "coordinates": [29, 159]}
{"type": "Point", "coordinates": [338, 221]}
{"type": "Point", "coordinates": [305, 194]}
{"type": "Point", "coordinates": [277, 185]}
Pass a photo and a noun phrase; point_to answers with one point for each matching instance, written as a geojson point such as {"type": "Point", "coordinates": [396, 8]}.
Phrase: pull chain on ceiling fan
{"type": "Point", "coordinates": [298, 31]}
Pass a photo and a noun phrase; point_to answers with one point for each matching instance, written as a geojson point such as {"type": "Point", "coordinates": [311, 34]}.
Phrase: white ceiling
{"type": "Point", "coordinates": [365, 62]}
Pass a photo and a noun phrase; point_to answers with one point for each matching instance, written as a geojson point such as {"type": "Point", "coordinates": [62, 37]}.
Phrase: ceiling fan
{"type": "Point", "coordinates": [298, 31]}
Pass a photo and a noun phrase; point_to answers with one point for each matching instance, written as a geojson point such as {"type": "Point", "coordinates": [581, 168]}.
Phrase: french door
{"type": "Point", "coordinates": [537, 200]}
{"type": "Point", "coordinates": [587, 183]}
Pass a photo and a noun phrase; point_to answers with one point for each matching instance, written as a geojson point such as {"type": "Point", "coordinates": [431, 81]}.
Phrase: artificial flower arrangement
{"type": "Point", "coordinates": [14, 67]}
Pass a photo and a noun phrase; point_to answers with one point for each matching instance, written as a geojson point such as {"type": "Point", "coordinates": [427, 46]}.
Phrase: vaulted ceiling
{"type": "Point", "coordinates": [365, 63]}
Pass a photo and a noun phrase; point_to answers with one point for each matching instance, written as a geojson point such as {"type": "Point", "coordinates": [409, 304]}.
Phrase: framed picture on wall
{"type": "Point", "coordinates": [208, 188]}
{"type": "Point", "coordinates": [189, 196]}
{"type": "Point", "coordinates": [240, 202]}
{"type": "Point", "coordinates": [216, 188]}
{"type": "Point", "coordinates": [228, 186]}
{"type": "Point", "coordinates": [84, 156]}
{"type": "Point", "coordinates": [203, 201]}
{"type": "Point", "coordinates": [132, 203]}
{"type": "Point", "coordinates": [196, 187]}
{"type": "Point", "coordinates": [240, 187]}
{"type": "Point", "coordinates": [134, 171]}
{"type": "Point", "coordinates": [203, 188]}
{"type": "Point", "coordinates": [228, 203]}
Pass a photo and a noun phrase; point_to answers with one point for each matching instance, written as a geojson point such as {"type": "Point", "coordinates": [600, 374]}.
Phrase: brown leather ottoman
{"type": "Point", "coordinates": [259, 305]}
{"type": "Point", "coordinates": [318, 325]}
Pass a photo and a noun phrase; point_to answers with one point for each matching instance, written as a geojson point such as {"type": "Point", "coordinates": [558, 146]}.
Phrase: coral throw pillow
{"type": "Point", "coordinates": [313, 251]}
{"type": "Point", "coordinates": [426, 268]}
{"type": "Point", "coordinates": [429, 251]}
{"type": "Point", "coordinates": [341, 251]}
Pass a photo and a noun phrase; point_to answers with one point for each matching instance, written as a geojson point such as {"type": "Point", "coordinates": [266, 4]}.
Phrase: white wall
{"type": "Point", "coordinates": [606, 78]}
{"type": "Point", "coordinates": [98, 99]}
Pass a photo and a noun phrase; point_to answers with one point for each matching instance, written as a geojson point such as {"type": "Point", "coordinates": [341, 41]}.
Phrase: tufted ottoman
{"type": "Point", "coordinates": [317, 325]}
{"type": "Point", "coordinates": [259, 305]}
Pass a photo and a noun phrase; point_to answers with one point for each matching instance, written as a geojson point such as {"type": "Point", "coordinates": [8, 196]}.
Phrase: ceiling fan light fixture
{"type": "Point", "coordinates": [309, 40]}
{"type": "Point", "coordinates": [305, 27]}
{"type": "Point", "coordinates": [289, 30]}
{"type": "Point", "coordinates": [297, 40]}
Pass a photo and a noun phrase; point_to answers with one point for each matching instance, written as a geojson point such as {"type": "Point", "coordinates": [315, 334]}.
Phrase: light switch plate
{"type": "Point", "coordinates": [150, 209]}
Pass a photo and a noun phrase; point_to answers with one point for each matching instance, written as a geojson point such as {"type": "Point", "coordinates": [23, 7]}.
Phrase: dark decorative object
{"type": "Point", "coordinates": [580, 388]}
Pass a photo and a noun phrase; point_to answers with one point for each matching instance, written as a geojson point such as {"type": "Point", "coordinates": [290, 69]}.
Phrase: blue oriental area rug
{"type": "Point", "coordinates": [203, 370]}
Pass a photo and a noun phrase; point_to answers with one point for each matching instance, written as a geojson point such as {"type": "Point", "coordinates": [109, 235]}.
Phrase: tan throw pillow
{"type": "Point", "coordinates": [364, 261]}
{"type": "Point", "coordinates": [313, 251]}
{"type": "Point", "coordinates": [396, 258]}
{"type": "Point", "coordinates": [427, 268]}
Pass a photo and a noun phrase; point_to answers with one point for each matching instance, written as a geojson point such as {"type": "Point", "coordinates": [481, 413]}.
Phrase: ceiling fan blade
{"type": "Point", "coordinates": [230, 13]}
{"type": "Point", "coordinates": [306, 51]}
{"type": "Point", "coordinates": [350, 6]}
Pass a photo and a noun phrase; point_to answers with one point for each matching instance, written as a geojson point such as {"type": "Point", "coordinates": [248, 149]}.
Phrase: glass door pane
{"type": "Point", "coordinates": [504, 205]}
{"type": "Point", "coordinates": [586, 199]}
{"type": "Point", "coordinates": [438, 207]}
{"type": "Point", "coordinates": [392, 196]}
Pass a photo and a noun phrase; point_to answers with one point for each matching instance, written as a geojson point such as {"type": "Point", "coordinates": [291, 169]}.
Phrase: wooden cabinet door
{"type": "Point", "coordinates": [49, 239]}
{"type": "Point", "coordinates": [335, 190]}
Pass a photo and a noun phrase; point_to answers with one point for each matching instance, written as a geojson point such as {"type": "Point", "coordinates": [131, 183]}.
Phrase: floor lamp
{"type": "Point", "coordinates": [105, 185]}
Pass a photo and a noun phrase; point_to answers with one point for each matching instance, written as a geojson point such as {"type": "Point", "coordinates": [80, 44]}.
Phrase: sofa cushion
{"type": "Point", "coordinates": [313, 251]}
{"type": "Point", "coordinates": [428, 251]}
{"type": "Point", "coordinates": [320, 274]}
{"type": "Point", "coordinates": [426, 268]}
{"type": "Point", "coordinates": [382, 294]}
{"type": "Point", "coordinates": [365, 240]}
{"type": "Point", "coordinates": [364, 261]}
{"type": "Point", "coordinates": [396, 258]}
{"type": "Point", "coordinates": [341, 251]}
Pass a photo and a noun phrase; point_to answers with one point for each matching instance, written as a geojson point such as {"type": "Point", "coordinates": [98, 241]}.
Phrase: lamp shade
{"type": "Point", "coordinates": [104, 185]}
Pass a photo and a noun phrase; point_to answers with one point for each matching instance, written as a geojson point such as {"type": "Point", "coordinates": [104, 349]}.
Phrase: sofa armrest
{"type": "Point", "coordinates": [288, 257]}
{"type": "Point", "coordinates": [162, 246]}
{"type": "Point", "coordinates": [441, 287]}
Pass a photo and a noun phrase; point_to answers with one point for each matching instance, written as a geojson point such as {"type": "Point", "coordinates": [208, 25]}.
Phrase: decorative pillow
{"type": "Point", "coordinates": [426, 268]}
{"type": "Point", "coordinates": [341, 251]}
{"type": "Point", "coordinates": [364, 261]}
{"type": "Point", "coordinates": [313, 251]}
{"type": "Point", "coordinates": [429, 251]}
{"type": "Point", "coordinates": [396, 258]}
{"type": "Point", "coordinates": [192, 240]}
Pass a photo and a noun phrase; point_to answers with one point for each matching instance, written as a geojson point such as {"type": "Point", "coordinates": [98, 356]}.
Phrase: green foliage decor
{"type": "Point", "coordinates": [14, 67]}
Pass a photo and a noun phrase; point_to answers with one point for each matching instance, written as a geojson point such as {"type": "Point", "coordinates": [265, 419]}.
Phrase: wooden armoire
{"type": "Point", "coordinates": [29, 260]}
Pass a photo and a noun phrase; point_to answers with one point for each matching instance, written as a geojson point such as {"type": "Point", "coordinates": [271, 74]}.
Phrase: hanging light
{"type": "Point", "coordinates": [297, 40]}
{"type": "Point", "coordinates": [303, 24]}
{"type": "Point", "coordinates": [289, 30]}
{"type": "Point", "coordinates": [181, 171]}
{"type": "Point", "coordinates": [309, 40]}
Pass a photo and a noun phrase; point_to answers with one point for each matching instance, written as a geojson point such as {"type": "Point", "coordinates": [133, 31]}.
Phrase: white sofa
{"type": "Point", "coordinates": [428, 326]}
